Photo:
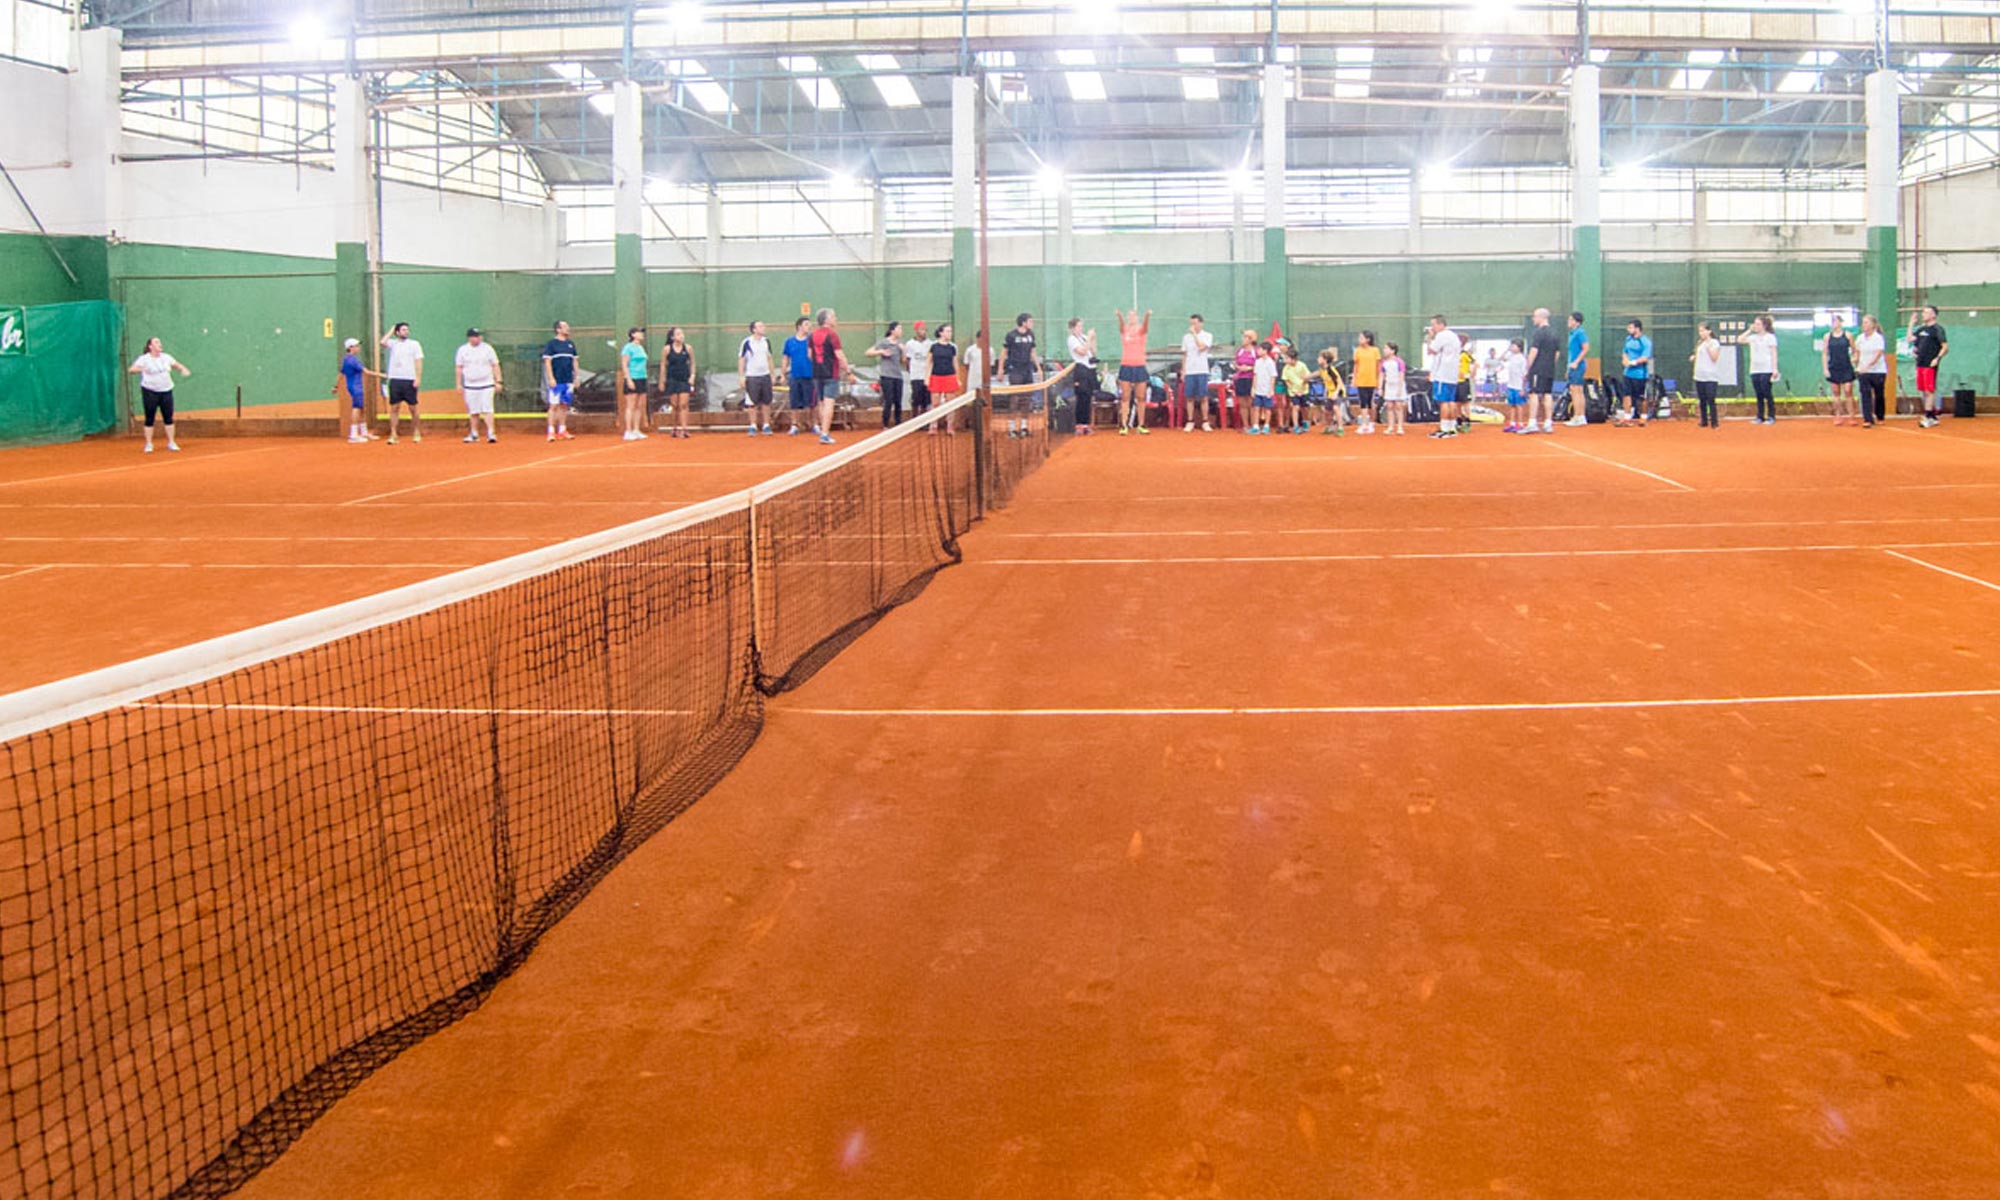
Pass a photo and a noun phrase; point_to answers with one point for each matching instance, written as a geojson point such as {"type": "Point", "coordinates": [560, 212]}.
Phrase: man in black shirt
{"type": "Point", "coordinates": [559, 381]}
{"type": "Point", "coordinates": [1022, 370]}
{"type": "Point", "coordinates": [1928, 346]}
{"type": "Point", "coordinates": [1544, 348]}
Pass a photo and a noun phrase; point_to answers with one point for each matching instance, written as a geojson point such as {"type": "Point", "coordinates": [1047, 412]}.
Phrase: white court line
{"type": "Point", "coordinates": [1372, 529]}
{"type": "Point", "coordinates": [284, 540]}
{"type": "Point", "coordinates": [1614, 463]}
{"type": "Point", "coordinates": [419, 487]}
{"type": "Point", "coordinates": [154, 462]}
{"type": "Point", "coordinates": [1911, 558]}
{"type": "Point", "coordinates": [1324, 497]}
{"type": "Point", "coordinates": [1384, 710]}
{"type": "Point", "coordinates": [1308, 460]}
{"type": "Point", "coordinates": [1423, 556]}
{"type": "Point", "coordinates": [564, 502]}
{"type": "Point", "coordinates": [16, 574]}
{"type": "Point", "coordinates": [413, 710]}
{"type": "Point", "coordinates": [270, 566]}
{"type": "Point", "coordinates": [657, 466]}
{"type": "Point", "coordinates": [1945, 438]}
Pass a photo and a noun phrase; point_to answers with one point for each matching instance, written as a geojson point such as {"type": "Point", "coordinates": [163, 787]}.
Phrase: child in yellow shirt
{"type": "Point", "coordinates": [1298, 388]}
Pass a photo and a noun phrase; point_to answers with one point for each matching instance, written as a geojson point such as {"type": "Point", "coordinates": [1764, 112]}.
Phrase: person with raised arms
{"type": "Point", "coordinates": [406, 375]}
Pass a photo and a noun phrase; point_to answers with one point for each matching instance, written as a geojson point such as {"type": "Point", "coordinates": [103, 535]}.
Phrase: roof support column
{"type": "Point", "coordinates": [353, 214]}
{"type": "Point", "coordinates": [628, 196]}
{"type": "Point", "coordinates": [1884, 155]}
{"type": "Point", "coordinates": [964, 204]}
{"type": "Point", "coordinates": [1277, 284]}
{"type": "Point", "coordinates": [1586, 168]}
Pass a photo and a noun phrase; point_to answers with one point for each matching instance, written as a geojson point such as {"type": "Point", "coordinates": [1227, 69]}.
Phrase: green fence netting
{"type": "Point", "coordinates": [58, 371]}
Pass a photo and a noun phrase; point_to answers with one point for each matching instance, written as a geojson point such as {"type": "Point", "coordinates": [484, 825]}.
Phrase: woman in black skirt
{"type": "Point", "coordinates": [1837, 356]}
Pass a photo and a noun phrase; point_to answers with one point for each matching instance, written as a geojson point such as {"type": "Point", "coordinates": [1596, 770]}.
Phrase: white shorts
{"type": "Point", "coordinates": [479, 401]}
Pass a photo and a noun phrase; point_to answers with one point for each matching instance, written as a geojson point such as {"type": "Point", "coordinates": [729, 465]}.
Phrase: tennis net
{"type": "Point", "coordinates": [1018, 428]}
{"type": "Point", "coordinates": [237, 878]}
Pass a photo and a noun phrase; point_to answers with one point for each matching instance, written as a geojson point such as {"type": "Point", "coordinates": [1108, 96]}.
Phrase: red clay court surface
{"type": "Point", "coordinates": [1604, 815]}
{"type": "Point", "coordinates": [119, 554]}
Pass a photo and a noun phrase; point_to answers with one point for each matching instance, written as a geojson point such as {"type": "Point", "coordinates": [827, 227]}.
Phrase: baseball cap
{"type": "Point", "coordinates": [351, 343]}
{"type": "Point", "coordinates": [473, 333]}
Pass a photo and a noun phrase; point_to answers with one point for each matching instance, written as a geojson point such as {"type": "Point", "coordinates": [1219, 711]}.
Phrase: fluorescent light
{"type": "Point", "coordinates": [1810, 72]}
{"type": "Point", "coordinates": [820, 91]}
{"type": "Point", "coordinates": [842, 183]}
{"type": "Point", "coordinates": [1439, 174]}
{"type": "Point", "coordinates": [684, 15]}
{"type": "Point", "coordinates": [1050, 179]}
{"type": "Point", "coordinates": [1630, 176]}
{"type": "Point", "coordinates": [306, 30]}
{"type": "Point", "coordinates": [1243, 179]}
{"type": "Point", "coordinates": [659, 191]}
{"type": "Point", "coordinates": [1700, 69]}
{"type": "Point", "coordinates": [896, 90]}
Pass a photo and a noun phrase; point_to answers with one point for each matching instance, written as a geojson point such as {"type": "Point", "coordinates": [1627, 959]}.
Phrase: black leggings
{"type": "Point", "coordinates": [159, 404]}
{"type": "Point", "coordinates": [892, 402]}
{"type": "Point", "coordinates": [1767, 408]}
{"type": "Point", "coordinates": [1086, 393]}
{"type": "Point", "coordinates": [1364, 403]}
{"type": "Point", "coordinates": [1874, 393]}
{"type": "Point", "coordinates": [1704, 390]}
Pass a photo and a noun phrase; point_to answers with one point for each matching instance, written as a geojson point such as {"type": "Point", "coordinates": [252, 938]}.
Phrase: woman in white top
{"type": "Point", "coordinates": [1083, 372]}
{"type": "Point", "coordinates": [1707, 360]}
{"type": "Point", "coordinates": [155, 369]}
{"type": "Point", "coordinates": [1871, 367]}
{"type": "Point", "coordinates": [1763, 345]}
{"type": "Point", "coordinates": [1395, 389]}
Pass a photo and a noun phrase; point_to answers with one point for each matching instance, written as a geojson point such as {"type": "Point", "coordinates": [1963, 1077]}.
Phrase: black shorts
{"type": "Point", "coordinates": [757, 390]}
{"type": "Point", "coordinates": [1541, 385]}
{"type": "Point", "coordinates": [676, 386]}
{"type": "Point", "coordinates": [1464, 393]}
{"type": "Point", "coordinates": [1020, 376]}
{"type": "Point", "coordinates": [403, 391]}
{"type": "Point", "coordinates": [1241, 387]}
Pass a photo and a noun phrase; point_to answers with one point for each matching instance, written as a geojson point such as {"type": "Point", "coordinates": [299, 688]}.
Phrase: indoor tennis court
{"type": "Point", "coordinates": [881, 599]}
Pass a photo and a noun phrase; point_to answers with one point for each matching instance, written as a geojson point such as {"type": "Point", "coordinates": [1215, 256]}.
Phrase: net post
{"type": "Point", "coordinates": [982, 396]}
{"type": "Point", "coordinates": [756, 588]}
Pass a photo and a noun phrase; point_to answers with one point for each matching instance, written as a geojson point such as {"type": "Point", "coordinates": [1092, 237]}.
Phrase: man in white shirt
{"type": "Point", "coordinates": [753, 362]}
{"type": "Point", "coordinates": [478, 369]}
{"type": "Point", "coordinates": [917, 353]}
{"type": "Point", "coordinates": [1441, 353]}
{"type": "Point", "coordinates": [1195, 347]}
{"type": "Point", "coordinates": [405, 374]}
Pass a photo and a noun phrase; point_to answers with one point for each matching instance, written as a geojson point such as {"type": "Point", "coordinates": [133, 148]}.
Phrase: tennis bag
{"type": "Point", "coordinates": [1596, 407]}
{"type": "Point", "coordinates": [1422, 408]}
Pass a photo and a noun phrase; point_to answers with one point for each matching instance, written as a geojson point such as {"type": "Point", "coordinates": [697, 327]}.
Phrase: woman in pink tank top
{"type": "Point", "coordinates": [1132, 376]}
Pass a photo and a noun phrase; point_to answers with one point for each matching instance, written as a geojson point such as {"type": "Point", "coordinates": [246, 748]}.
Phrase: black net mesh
{"type": "Point", "coordinates": [223, 903]}
{"type": "Point", "coordinates": [1018, 428]}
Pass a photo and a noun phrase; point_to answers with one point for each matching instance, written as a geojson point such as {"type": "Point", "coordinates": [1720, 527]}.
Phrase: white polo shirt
{"type": "Point", "coordinates": [403, 356]}
{"type": "Point", "coordinates": [1195, 348]}
{"type": "Point", "coordinates": [479, 363]}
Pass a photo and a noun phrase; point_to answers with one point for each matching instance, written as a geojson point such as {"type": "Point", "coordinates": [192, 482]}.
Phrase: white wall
{"type": "Point", "coordinates": [1954, 226]}
{"type": "Point", "coordinates": [34, 143]}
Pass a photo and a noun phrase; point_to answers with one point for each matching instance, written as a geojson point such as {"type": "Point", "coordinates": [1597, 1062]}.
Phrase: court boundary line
{"type": "Point", "coordinates": [1614, 463]}
{"type": "Point", "coordinates": [419, 487]}
{"type": "Point", "coordinates": [1384, 710]}
{"type": "Point", "coordinates": [1434, 555]}
{"type": "Point", "coordinates": [1400, 529]}
{"type": "Point", "coordinates": [144, 465]}
{"type": "Point", "coordinates": [1911, 558]}
{"type": "Point", "coordinates": [398, 710]}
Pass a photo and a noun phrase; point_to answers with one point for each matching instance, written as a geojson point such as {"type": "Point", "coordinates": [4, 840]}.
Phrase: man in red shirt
{"type": "Point", "coordinates": [829, 367]}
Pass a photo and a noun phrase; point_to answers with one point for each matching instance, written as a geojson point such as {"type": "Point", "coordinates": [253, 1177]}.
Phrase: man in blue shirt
{"type": "Point", "coordinates": [352, 373]}
{"type": "Point", "coordinates": [798, 352]}
{"type": "Point", "coordinates": [1574, 366]}
{"type": "Point", "coordinates": [559, 381]}
{"type": "Point", "coordinates": [1638, 368]}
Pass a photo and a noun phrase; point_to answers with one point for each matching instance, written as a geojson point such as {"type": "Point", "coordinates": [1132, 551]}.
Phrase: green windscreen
{"type": "Point", "coordinates": [59, 380]}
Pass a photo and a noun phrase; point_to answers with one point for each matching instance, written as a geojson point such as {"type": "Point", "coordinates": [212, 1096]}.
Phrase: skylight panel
{"type": "Point", "coordinates": [1470, 69]}
{"type": "Point", "coordinates": [1700, 69]}
{"type": "Point", "coordinates": [894, 87]}
{"type": "Point", "coordinates": [1810, 71]}
{"type": "Point", "coordinates": [1084, 86]}
{"type": "Point", "coordinates": [1352, 67]}
{"type": "Point", "coordinates": [1198, 87]}
{"type": "Point", "coordinates": [710, 95]}
{"type": "Point", "coordinates": [819, 90]}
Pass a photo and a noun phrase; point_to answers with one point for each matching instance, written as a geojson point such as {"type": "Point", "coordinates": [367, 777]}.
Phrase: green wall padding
{"type": "Point", "coordinates": [66, 386]}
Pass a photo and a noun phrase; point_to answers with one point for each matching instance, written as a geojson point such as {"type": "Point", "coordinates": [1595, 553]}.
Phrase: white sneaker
{"type": "Point", "coordinates": [149, 448]}
{"type": "Point", "coordinates": [1188, 428]}
{"type": "Point", "coordinates": [174, 446]}
{"type": "Point", "coordinates": [1207, 428]}
{"type": "Point", "coordinates": [1548, 426]}
{"type": "Point", "coordinates": [1577, 422]}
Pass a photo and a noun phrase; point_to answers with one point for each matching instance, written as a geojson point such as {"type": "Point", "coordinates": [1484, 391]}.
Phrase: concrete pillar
{"type": "Point", "coordinates": [95, 122]}
{"type": "Point", "coordinates": [1586, 169]}
{"type": "Point", "coordinates": [1413, 334]}
{"type": "Point", "coordinates": [1065, 260]}
{"type": "Point", "coordinates": [628, 193]}
{"type": "Point", "coordinates": [1884, 158]}
{"type": "Point", "coordinates": [878, 255]}
{"type": "Point", "coordinates": [964, 206]}
{"type": "Point", "coordinates": [1276, 294]}
{"type": "Point", "coordinates": [1701, 300]}
{"type": "Point", "coordinates": [717, 343]}
{"type": "Point", "coordinates": [353, 215]}
{"type": "Point", "coordinates": [1239, 285]}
